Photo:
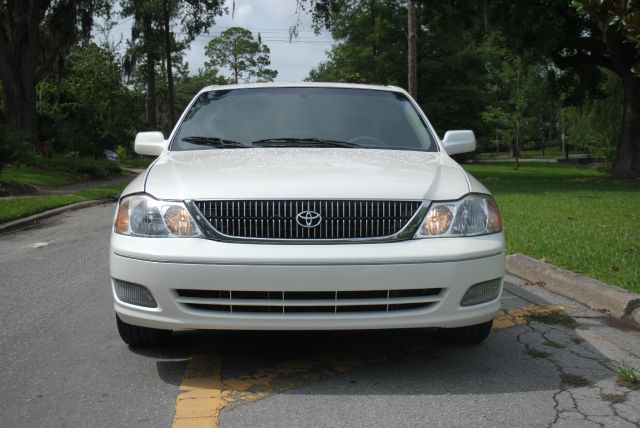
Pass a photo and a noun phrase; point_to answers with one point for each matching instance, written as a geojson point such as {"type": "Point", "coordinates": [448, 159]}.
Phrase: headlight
{"type": "Point", "coordinates": [141, 215]}
{"type": "Point", "coordinates": [472, 215]}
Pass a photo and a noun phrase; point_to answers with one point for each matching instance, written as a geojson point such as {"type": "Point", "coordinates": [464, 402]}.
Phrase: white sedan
{"type": "Point", "coordinates": [305, 206]}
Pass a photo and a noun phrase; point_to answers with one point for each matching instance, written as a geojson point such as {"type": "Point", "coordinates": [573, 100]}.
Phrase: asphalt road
{"type": "Point", "coordinates": [63, 363]}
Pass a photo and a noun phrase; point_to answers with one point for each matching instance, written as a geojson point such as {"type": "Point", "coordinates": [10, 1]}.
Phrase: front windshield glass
{"type": "Point", "coordinates": [303, 117]}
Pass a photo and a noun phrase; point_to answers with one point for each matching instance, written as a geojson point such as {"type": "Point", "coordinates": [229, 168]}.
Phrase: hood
{"type": "Point", "coordinates": [306, 173]}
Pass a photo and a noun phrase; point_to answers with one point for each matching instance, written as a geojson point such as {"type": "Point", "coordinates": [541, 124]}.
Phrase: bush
{"type": "Point", "coordinates": [12, 144]}
{"type": "Point", "coordinates": [121, 151]}
{"type": "Point", "coordinates": [94, 168]}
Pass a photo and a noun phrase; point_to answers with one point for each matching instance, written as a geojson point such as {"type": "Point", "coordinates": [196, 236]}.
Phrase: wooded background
{"type": "Point", "coordinates": [525, 75]}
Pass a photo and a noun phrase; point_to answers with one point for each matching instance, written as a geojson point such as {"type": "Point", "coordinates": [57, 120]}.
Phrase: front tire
{"type": "Point", "coordinates": [137, 336]}
{"type": "Point", "coordinates": [468, 335]}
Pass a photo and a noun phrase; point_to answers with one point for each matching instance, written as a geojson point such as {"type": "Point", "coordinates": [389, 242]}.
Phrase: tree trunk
{"type": "Point", "coordinates": [152, 109]}
{"type": "Point", "coordinates": [167, 44]}
{"type": "Point", "coordinates": [411, 25]}
{"type": "Point", "coordinates": [485, 16]}
{"type": "Point", "coordinates": [627, 164]}
{"type": "Point", "coordinates": [374, 45]}
{"type": "Point", "coordinates": [18, 57]}
{"type": "Point", "coordinates": [235, 64]}
{"type": "Point", "coordinates": [516, 146]}
{"type": "Point", "coordinates": [623, 55]}
{"type": "Point", "coordinates": [150, 75]}
{"type": "Point", "coordinates": [20, 97]}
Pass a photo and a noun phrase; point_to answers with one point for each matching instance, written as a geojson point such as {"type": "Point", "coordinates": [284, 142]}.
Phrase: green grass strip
{"type": "Point", "coordinates": [12, 209]}
{"type": "Point", "coordinates": [38, 177]}
{"type": "Point", "coordinates": [574, 217]}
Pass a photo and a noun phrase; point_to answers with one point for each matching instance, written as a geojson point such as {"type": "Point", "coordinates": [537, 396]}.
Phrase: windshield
{"type": "Point", "coordinates": [303, 117]}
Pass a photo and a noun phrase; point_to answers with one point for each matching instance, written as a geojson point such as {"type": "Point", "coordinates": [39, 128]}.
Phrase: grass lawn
{"type": "Point", "coordinates": [28, 175]}
{"type": "Point", "coordinates": [11, 209]}
{"type": "Point", "coordinates": [141, 162]}
{"type": "Point", "coordinates": [549, 152]}
{"type": "Point", "coordinates": [572, 216]}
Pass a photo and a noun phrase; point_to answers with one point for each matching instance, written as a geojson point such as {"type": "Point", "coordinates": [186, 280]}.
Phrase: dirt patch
{"type": "Point", "coordinates": [554, 317]}
{"type": "Point", "coordinates": [574, 380]}
{"type": "Point", "coordinates": [16, 189]}
{"type": "Point", "coordinates": [614, 398]}
{"type": "Point", "coordinates": [536, 353]}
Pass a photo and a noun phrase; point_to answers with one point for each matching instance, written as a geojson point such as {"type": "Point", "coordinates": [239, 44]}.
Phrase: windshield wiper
{"type": "Point", "coordinates": [221, 143]}
{"type": "Point", "coordinates": [302, 142]}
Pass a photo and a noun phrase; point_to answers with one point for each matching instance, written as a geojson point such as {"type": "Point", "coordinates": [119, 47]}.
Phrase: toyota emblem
{"type": "Point", "coordinates": [308, 219]}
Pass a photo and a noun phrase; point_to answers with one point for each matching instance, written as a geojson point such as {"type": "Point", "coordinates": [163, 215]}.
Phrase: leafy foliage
{"type": "Point", "coordinates": [372, 48]}
{"type": "Point", "coordinates": [514, 85]}
{"type": "Point", "coordinates": [511, 70]}
{"type": "Point", "coordinates": [594, 126]}
{"type": "Point", "coordinates": [12, 142]}
{"type": "Point", "coordinates": [90, 109]}
{"type": "Point", "coordinates": [621, 14]}
{"type": "Point", "coordinates": [237, 50]}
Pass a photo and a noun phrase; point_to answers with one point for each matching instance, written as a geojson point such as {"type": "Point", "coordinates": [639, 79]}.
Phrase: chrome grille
{"type": "Point", "coordinates": [287, 302]}
{"type": "Point", "coordinates": [276, 219]}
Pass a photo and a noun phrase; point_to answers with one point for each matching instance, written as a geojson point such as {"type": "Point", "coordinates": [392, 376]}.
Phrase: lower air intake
{"type": "Point", "coordinates": [308, 302]}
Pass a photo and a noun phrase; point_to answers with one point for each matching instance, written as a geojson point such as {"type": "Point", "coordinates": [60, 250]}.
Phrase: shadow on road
{"type": "Point", "coordinates": [521, 358]}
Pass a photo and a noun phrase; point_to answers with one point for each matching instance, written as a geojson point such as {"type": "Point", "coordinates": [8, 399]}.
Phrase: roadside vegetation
{"type": "Point", "coordinates": [35, 176]}
{"type": "Point", "coordinates": [14, 208]}
{"type": "Point", "coordinates": [141, 162]}
{"type": "Point", "coordinates": [59, 170]}
{"type": "Point", "coordinates": [627, 375]}
{"type": "Point", "coordinates": [574, 217]}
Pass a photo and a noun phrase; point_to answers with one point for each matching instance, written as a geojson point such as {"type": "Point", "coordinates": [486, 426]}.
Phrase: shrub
{"type": "Point", "coordinates": [121, 151]}
{"type": "Point", "coordinates": [12, 144]}
{"type": "Point", "coordinates": [93, 168]}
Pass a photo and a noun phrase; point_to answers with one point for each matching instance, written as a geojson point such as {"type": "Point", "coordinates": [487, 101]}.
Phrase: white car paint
{"type": "Point", "coordinates": [296, 173]}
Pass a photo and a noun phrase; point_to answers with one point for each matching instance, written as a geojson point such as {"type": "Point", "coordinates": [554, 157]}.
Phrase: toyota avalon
{"type": "Point", "coordinates": [305, 206]}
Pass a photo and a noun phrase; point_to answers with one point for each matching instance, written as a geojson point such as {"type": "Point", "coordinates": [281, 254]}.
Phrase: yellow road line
{"type": "Point", "coordinates": [515, 316]}
{"type": "Point", "coordinates": [200, 398]}
{"type": "Point", "coordinates": [203, 392]}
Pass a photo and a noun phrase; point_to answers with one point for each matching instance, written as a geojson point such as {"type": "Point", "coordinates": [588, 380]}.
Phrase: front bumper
{"type": "Point", "coordinates": [165, 265]}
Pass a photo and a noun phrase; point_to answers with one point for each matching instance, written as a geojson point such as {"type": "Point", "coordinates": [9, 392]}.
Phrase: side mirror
{"type": "Point", "coordinates": [459, 142]}
{"type": "Point", "coordinates": [150, 143]}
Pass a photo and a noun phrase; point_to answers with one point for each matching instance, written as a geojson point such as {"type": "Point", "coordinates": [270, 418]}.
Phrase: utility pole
{"type": "Point", "coordinates": [167, 45]}
{"type": "Point", "coordinates": [413, 75]}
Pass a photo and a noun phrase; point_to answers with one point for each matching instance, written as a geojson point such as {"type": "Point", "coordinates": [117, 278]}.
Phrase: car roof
{"type": "Point", "coordinates": [303, 85]}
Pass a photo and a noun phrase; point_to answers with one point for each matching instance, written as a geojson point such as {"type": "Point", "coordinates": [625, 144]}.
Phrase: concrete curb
{"type": "Point", "coordinates": [32, 219]}
{"type": "Point", "coordinates": [591, 292]}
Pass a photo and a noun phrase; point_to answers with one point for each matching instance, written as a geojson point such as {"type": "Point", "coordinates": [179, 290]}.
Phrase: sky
{"type": "Point", "coordinates": [272, 19]}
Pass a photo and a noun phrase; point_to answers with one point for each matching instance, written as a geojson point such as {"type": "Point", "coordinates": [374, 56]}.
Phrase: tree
{"type": "Point", "coordinates": [90, 109]}
{"type": "Point", "coordinates": [153, 40]}
{"type": "Point", "coordinates": [237, 50]}
{"type": "Point", "coordinates": [512, 85]}
{"type": "Point", "coordinates": [371, 47]}
{"type": "Point", "coordinates": [582, 39]}
{"type": "Point", "coordinates": [189, 85]}
{"type": "Point", "coordinates": [145, 47]}
{"type": "Point", "coordinates": [618, 22]}
{"type": "Point", "coordinates": [594, 125]}
{"type": "Point", "coordinates": [196, 17]}
{"type": "Point", "coordinates": [34, 37]}
{"type": "Point", "coordinates": [411, 57]}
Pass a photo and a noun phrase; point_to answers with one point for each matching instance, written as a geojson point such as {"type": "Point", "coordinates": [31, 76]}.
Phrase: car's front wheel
{"type": "Point", "coordinates": [469, 335]}
{"type": "Point", "coordinates": [134, 335]}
